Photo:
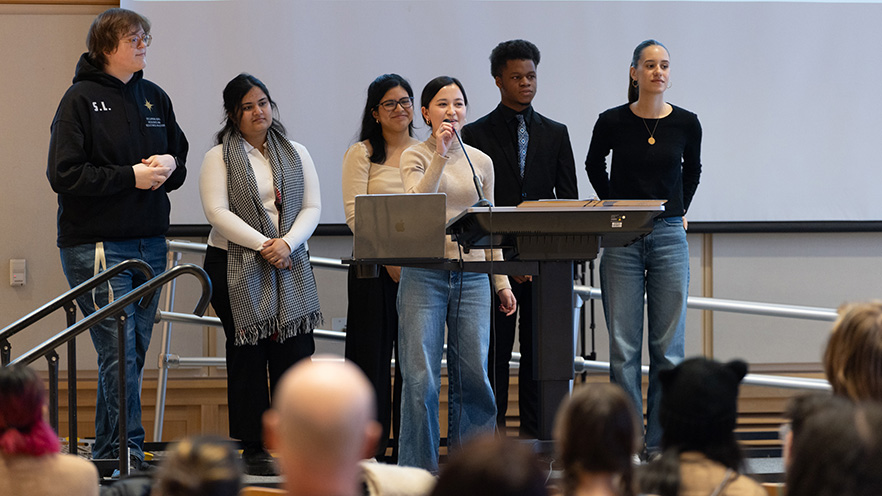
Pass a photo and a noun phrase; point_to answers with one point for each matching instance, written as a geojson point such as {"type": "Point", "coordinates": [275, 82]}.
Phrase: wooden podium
{"type": "Point", "coordinates": [546, 238]}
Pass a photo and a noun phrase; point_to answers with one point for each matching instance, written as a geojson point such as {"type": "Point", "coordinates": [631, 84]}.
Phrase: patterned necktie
{"type": "Point", "coordinates": [523, 139]}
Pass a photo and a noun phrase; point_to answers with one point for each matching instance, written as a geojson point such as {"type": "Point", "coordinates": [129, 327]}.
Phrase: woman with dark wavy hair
{"type": "Point", "coordinates": [370, 166]}
{"type": "Point", "coordinates": [260, 192]}
{"type": "Point", "coordinates": [30, 462]}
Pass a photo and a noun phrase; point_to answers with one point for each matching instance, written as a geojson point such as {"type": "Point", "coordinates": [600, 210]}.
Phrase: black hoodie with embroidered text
{"type": "Point", "coordinates": [101, 129]}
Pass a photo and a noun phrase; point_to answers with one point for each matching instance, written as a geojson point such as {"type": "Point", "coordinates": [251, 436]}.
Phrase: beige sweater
{"type": "Point", "coordinates": [699, 476]}
{"type": "Point", "coordinates": [50, 474]}
{"type": "Point", "coordinates": [424, 171]}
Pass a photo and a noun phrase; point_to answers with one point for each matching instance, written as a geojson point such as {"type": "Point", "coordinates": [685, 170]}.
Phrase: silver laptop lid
{"type": "Point", "coordinates": [405, 226]}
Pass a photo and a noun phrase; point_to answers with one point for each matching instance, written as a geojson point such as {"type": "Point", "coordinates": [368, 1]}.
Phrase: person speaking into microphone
{"type": "Point", "coordinates": [428, 298]}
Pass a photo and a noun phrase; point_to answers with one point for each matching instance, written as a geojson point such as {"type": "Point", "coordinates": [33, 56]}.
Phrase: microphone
{"type": "Point", "coordinates": [482, 202]}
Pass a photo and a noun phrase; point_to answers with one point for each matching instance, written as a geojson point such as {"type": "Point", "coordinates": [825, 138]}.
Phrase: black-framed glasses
{"type": "Point", "coordinates": [136, 40]}
{"type": "Point", "coordinates": [389, 105]}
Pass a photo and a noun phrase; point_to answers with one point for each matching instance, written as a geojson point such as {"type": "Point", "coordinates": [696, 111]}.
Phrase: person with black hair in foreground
{"type": "Point", "coordinates": [532, 160]}
{"type": "Point", "coordinates": [492, 466]}
{"type": "Point", "coordinates": [838, 451]}
{"type": "Point", "coordinates": [699, 411]}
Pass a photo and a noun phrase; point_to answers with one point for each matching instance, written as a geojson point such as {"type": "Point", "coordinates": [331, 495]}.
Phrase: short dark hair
{"type": "Point", "coordinates": [596, 431]}
{"type": "Point", "coordinates": [634, 91]}
{"type": "Point", "coordinates": [371, 130]}
{"type": "Point", "coordinates": [492, 466]}
{"type": "Point", "coordinates": [234, 92]}
{"type": "Point", "coordinates": [512, 50]}
{"type": "Point", "coordinates": [108, 28]}
{"type": "Point", "coordinates": [434, 86]}
{"type": "Point", "coordinates": [839, 451]}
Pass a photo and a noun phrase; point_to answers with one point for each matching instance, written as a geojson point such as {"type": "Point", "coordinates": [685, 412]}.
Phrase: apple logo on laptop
{"type": "Point", "coordinates": [399, 226]}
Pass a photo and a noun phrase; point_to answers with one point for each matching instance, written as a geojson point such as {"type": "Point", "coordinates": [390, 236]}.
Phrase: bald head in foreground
{"type": "Point", "coordinates": [321, 425]}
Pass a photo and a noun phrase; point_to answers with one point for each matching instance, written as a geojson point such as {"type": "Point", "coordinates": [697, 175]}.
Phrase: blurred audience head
{"type": "Point", "coordinates": [699, 411]}
{"type": "Point", "coordinates": [492, 466]}
{"type": "Point", "coordinates": [838, 451]}
{"type": "Point", "coordinates": [596, 434]}
{"type": "Point", "coordinates": [322, 424]}
{"type": "Point", "coordinates": [853, 359]}
{"type": "Point", "coordinates": [200, 466]}
{"type": "Point", "coordinates": [23, 429]}
{"type": "Point", "coordinates": [797, 411]}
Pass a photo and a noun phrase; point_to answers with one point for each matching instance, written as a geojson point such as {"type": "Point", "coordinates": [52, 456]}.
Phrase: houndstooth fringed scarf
{"type": "Point", "coordinates": [268, 302]}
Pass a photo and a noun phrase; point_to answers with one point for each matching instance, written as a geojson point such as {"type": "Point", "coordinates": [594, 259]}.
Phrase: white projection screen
{"type": "Point", "coordinates": [784, 90]}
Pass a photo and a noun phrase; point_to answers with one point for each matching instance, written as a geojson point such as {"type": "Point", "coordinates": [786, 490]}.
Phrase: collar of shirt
{"type": "Point", "coordinates": [509, 115]}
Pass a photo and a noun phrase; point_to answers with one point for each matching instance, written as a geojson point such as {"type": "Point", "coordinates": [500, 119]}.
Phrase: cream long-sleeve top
{"type": "Point", "coordinates": [227, 226]}
{"type": "Point", "coordinates": [363, 177]}
{"type": "Point", "coordinates": [424, 171]}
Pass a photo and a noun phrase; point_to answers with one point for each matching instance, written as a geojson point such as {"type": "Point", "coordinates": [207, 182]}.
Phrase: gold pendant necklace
{"type": "Point", "coordinates": [651, 140]}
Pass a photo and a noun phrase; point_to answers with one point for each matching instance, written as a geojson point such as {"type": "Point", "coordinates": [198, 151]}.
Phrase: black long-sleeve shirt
{"type": "Point", "coordinates": [667, 170]}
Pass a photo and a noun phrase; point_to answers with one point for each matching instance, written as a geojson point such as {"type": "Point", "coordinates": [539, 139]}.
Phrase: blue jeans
{"type": "Point", "coordinates": [427, 299]}
{"type": "Point", "coordinates": [657, 265]}
{"type": "Point", "coordinates": [82, 262]}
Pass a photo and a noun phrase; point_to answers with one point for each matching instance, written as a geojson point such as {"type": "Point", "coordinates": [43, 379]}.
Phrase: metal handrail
{"type": "Point", "coordinates": [69, 297]}
{"type": "Point", "coordinates": [580, 364]}
{"type": "Point", "coordinates": [735, 306]}
{"type": "Point", "coordinates": [144, 292]}
{"type": "Point", "coordinates": [119, 305]}
{"type": "Point", "coordinates": [66, 301]}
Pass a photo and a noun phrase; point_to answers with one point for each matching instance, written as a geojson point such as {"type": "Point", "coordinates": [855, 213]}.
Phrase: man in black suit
{"type": "Point", "coordinates": [532, 160]}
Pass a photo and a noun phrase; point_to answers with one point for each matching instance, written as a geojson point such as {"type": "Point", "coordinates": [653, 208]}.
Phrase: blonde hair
{"type": "Point", "coordinates": [853, 359]}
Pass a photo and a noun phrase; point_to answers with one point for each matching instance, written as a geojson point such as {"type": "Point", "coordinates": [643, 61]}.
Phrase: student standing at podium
{"type": "Point", "coordinates": [371, 167]}
{"type": "Point", "coordinates": [656, 151]}
{"type": "Point", "coordinates": [428, 298]}
{"type": "Point", "coordinates": [532, 160]}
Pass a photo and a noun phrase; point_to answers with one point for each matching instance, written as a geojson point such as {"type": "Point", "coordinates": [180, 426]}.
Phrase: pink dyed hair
{"type": "Point", "coordinates": [22, 428]}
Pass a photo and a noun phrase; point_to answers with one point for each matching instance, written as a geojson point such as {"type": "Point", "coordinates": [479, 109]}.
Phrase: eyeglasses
{"type": "Point", "coordinates": [389, 105]}
{"type": "Point", "coordinates": [136, 40]}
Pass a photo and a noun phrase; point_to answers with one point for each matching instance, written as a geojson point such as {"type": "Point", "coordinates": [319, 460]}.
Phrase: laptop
{"type": "Point", "coordinates": [405, 226]}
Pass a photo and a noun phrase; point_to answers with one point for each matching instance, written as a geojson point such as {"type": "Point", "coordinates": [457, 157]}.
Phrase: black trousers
{"type": "Point", "coordinates": [371, 338]}
{"type": "Point", "coordinates": [501, 345]}
{"type": "Point", "coordinates": [248, 393]}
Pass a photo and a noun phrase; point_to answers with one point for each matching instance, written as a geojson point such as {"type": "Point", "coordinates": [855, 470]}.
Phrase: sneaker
{"type": "Point", "coordinates": [135, 465]}
{"type": "Point", "coordinates": [259, 462]}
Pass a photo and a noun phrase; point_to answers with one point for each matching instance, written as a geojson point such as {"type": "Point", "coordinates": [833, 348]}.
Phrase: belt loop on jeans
{"type": "Point", "coordinates": [100, 266]}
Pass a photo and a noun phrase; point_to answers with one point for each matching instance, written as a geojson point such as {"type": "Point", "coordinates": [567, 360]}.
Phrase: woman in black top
{"type": "Point", "coordinates": [656, 155]}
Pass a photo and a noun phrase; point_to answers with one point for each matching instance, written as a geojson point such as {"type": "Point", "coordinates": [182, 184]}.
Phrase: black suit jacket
{"type": "Point", "coordinates": [550, 170]}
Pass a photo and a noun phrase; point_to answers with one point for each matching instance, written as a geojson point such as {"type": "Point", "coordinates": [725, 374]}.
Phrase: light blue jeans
{"type": "Point", "coordinates": [79, 264]}
{"type": "Point", "coordinates": [657, 265]}
{"type": "Point", "coordinates": [427, 299]}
